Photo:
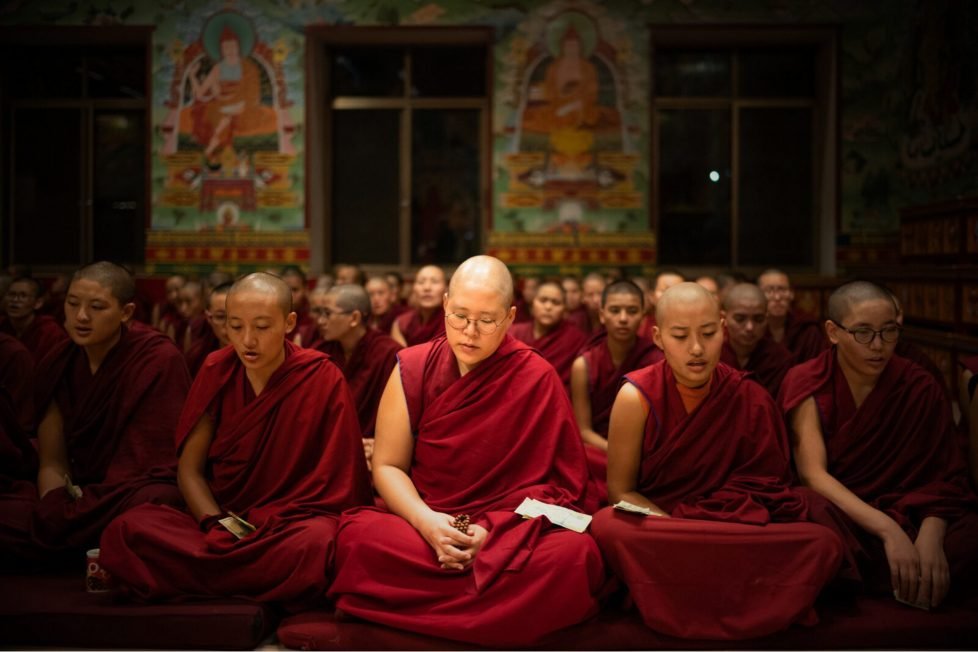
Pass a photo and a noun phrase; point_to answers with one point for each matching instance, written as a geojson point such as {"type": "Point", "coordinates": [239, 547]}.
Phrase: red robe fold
{"type": "Point", "coordinates": [118, 429]}
{"type": "Point", "coordinates": [767, 364]}
{"type": "Point", "coordinates": [579, 317]}
{"type": "Point", "coordinates": [560, 347]}
{"type": "Point", "coordinates": [18, 459]}
{"type": "Point", "coordinates": [367, 372]}
{"type": "Point", "coordinates": [288, 461]}
{"type": "Point", "coordinates": [206, 344]}
{"type": "Point", "coordinates": [604, 379]}
{"type": "Point", "coordinates": [417, 332]}
{"type": "Point", "coordinates": [385, 322]}
{"type": "Point", "coordinates": [483, 442]}
{"type": "Point", "coordinates": [732, 562]}
{"type": "Point", "coordinates": [907, 349]}
{"type": "Point", "coordinates": [804, 337]}
{"type": "Point", "coordinates": [896, 452]}
{"type": "Point", "coordinates": [40, 336]}
{"type": "Point", "coordinates": [306, 326]}
{"type": "Point", "coordinates": [603, 382]}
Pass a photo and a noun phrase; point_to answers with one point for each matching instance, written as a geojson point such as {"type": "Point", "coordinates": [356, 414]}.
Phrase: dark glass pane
{"type": "Point", "coordinates": [448, 72]}
{"type": "Point", "coordinates": [777, 73]}
{"type": "Point", "coordinates": [41, 71]}
{"type": "Point", "coordinates": [365, 186]}
{"type": "Point", "coordinates": [685, 73]}
{"type": "Point", "coordinates": [694, 187]}
{"type": "Point", "coordinates": [47, 186]}
{"type": "Point", "coordinates": [445, 186]}
{"type": "Point", "coordinates": [367, 72]}
{"type": "Point", "coordinates": [117, 72]}
{"type": "Point", "coordinates": [119, 183]}
{"type": "Point", "coordinates": [776, 224]}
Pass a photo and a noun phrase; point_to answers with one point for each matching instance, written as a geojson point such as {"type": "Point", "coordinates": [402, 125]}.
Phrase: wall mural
{"type": "Point", "coordinates": [570, 115]}
{"type": "Point", "coordinates": [570, 138]}
{"type": "Point", "coordinates": [226, 149]}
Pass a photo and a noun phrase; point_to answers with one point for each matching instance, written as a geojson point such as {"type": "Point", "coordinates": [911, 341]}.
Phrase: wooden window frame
{"type": "Point", "coordinates": [826, 169]}
{"type": "Point", "coordinates": [319, 110]}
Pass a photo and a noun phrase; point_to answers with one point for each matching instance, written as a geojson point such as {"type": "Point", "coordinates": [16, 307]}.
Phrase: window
{"type": "Point", "coordinates": [742, 136]}
{"type": "Point", "coordinates": [75, 134]}
{"type": "Point", "coordinates": [405, 133]}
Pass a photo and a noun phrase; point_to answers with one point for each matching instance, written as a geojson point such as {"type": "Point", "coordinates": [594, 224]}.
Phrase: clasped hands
{"type": "Point", "coordinates": [918, 570]}
{"type": "Point", "coordinates": [453, 549]}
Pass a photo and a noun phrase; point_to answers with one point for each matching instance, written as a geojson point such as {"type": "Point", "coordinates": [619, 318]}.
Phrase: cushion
{"type": "Point", "coordinates": [858, 623]}
{"type": "Point", "coordinates": [55, 610]}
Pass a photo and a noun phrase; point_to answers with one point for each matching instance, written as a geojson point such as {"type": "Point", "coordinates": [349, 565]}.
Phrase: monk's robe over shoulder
{"type": "Point", "coordinates": [416, 331]}
{"type": "Point", "coordinates": [804, 337]}
{"type": "Point", "coordinates": [288, 461]}
{"type": "Point", "coordinates": [367, 372]}
{"type": "Point", "coordinates": [18, 458]}
{"type": "Point", "coordinates": [604, 378]}
{"type": "Point", "coordinates": [40, 337]}
{"type": "Point", "coordinates": [118, 430]}
{"type": "Point", "coordinates": [560, 347]}
{"type": "Point", "coordinates": [202, 347]}
{"type": "Point", "coordinates": [897, 452]}
{"type": "Point", "coordinates": [767, 364]}
{"type": "Point", "coordinates": [733, 561]}
{"type": "Point", "coordinates": [483, 442]}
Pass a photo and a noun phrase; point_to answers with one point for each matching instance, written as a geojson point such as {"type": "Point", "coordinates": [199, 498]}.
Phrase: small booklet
{"type": "Point", "coordinates": [626, 506]}
{"type": "Point", "coordinates": [918, 605]}
{"type": "Point", "coordinates": [237, 525]}
{"type": "Point", "coordinates": [567, 518]}
{"type": "Point", "coordinates": [74, 491]}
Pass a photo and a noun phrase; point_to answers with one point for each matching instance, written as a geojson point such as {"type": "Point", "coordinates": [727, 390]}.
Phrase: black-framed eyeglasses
{"type": "Point", "coordinates": [460, 323]}
{"type": "Point", "coordinates": [866, 335]}
{"type": "Point", "coordinates": [326, 313]}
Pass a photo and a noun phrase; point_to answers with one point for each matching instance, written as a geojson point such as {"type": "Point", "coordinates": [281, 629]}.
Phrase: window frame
{"type": "Point", "coordinates": [319, 110]}
{"type": "Point", "coordinates": [57, 37]}
{"type": "Point", "coordinates": [826, 168]}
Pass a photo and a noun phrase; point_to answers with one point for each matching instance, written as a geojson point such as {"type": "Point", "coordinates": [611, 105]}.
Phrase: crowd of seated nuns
{"type": "Point", "coordinates": [254, 438]}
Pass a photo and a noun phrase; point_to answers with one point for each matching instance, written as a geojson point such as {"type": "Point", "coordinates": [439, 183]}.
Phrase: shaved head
{"type": "Point", "coordinates": [683, 293]}
{"type": "Point", "coordinates": [116, 278]}
{"type": "Point", "coordinates": [350, 297]}
{"type": "Point", "coordinates": [264, 283]}
{"type": "Point", "coordinates": [851, 294]}
{"type": "Point", "coordinates": [743, 292]}
{"type": "Point", "coordinates": [623, 287]}
{"type": "Point", "coordinates": [484, 272]}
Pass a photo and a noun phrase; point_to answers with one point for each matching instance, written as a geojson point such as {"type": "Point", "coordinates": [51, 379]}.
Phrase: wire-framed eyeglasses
{"type": "Point", "coordinates": [866, 335]}
{"type": "Point", "coordinates": [484, 325]}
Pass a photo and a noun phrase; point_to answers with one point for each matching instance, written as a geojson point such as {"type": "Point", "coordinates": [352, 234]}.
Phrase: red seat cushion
{"type": "Point", "coordinates": [861, 623]}
{"type": "Point", "coordinates": [55, 610]}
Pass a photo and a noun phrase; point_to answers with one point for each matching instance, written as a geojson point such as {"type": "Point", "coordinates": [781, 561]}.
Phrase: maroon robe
{"type": "Point", "coordinates": [40, 336]}
{"type": "Point", "coordinates": [896, 452]}
{"type": "Point", "coordinates": [767, 364]}
{"type": "Point", "coordinates": [202, 347]}
{"type": "Point", "coordinates": [804, 337]}
{"type": "Point", "coordinates": [579, 318]}
{"type": "Point", "coordinates": [385, 322]}
{"type": "Point", "coordinates": [733, 561]}
{"type": "Point", "coordinates": [417, 332]}
{"type": "Point", "coordinates": [306, 326]}
{"type": "Point", "coordinates": [645, 328]}
{"type": "Point", "coordinates": [907, 349]}
{"type": "Point", "coordinates": [971, 364]}
{"type": "Point", "coordinates": [603, 382]}
{"type": "Point", "coordinates": [18, 458]}
{"type": "Point", "coordinates": [560, 347]}
{"type": "Point", "coordinates": [288, 461]}
{"type": "Point", "coordinates": [118, 429]}
{"type": "Point", "coordinates": [367, 372]}
{"type": "Point", "coordinates": [197, 329]}
{"type": "Point", "coordinates": [483, 442]}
